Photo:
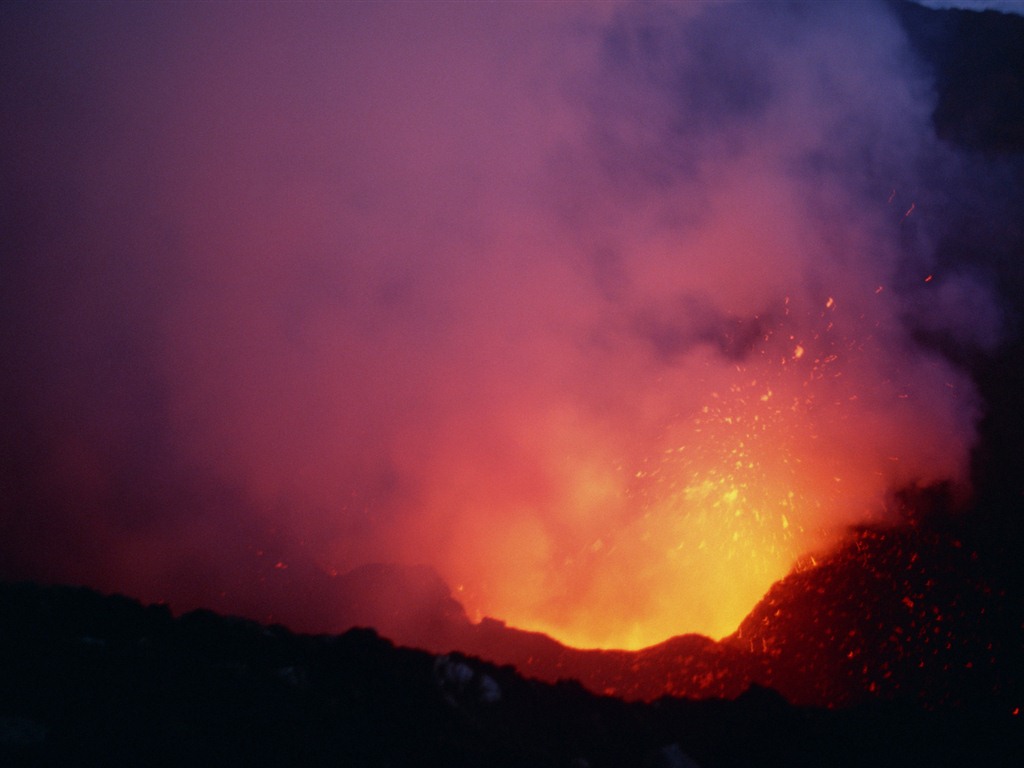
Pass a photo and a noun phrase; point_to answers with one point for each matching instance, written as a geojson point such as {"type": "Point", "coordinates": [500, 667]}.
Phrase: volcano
{"type": "Point", "coordinates": [910, 657]}
{"type": "Point", "coordinates": [905, 613]}
{"type": "Point", "coordinates": [626, 386]}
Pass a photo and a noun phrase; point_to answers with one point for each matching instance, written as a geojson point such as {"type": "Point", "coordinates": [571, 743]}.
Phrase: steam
{"type": "Point", "coordinates": [479, 287]}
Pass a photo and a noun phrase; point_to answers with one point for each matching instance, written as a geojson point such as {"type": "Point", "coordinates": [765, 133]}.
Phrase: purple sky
{"type": "Point", "coordinates": [580, 305]}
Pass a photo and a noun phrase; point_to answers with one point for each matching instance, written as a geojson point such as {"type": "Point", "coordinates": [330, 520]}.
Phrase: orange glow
{"type": "Point", "coordinates": [768, 467]}
{"type": "Point", "coordinates": [718, 521]}
{"type": "Point", "coordinates": [621, 531]}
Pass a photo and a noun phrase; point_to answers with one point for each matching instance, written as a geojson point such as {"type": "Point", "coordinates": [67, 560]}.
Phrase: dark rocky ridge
{"type": "Point", "coordinates": [978, 60]}
{"type": "Point", "coordinates": [93, 680]}
{"type": "Point", "coordinates": [907, 613]}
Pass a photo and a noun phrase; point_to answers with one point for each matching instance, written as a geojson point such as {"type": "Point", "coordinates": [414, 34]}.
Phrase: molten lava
{"type": "Point", "coordinates": [732, 501]}
{"type": "Point", "coordinates": [786, 449]}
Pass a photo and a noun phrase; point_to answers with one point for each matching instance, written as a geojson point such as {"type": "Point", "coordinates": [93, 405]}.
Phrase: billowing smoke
{"type": "Point", "coordinates": [609, 314]}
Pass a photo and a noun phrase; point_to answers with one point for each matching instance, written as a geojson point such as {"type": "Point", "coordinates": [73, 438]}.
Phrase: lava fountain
{"type": "Point", "coordinates": [804, 424]}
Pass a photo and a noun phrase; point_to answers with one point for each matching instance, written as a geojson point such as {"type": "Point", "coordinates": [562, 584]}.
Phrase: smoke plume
{"type": "Point", "coordinates": [608, 313]}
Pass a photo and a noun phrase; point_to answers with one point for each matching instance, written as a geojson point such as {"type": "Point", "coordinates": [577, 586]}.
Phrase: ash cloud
{"type": "Point", "coordinates": [347, 284]}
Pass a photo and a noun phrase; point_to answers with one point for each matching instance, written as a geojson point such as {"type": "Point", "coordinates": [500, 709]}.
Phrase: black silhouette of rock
{"type": "Point", "coordinates": [93, 680]}
{"type": "Point", "coordinates": [903, 613]}
{"type": "Point", "coordinates": [977, 59]}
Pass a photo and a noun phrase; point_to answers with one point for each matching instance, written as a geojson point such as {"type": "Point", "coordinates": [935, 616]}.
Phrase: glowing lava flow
{"type": "Point", "coordinates": [783, 438]}
{"type": "Point", "coordinates": [733, 502]}
{"type": "Point", "coordinates": [766, 471]}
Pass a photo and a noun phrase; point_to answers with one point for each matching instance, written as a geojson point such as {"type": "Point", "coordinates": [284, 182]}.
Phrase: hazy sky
{"type": "Point", "coordinates": [608, 313]}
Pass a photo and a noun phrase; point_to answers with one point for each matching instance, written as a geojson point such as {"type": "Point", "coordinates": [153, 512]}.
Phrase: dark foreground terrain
{"type": "Point", "coordinates": [87, 679]}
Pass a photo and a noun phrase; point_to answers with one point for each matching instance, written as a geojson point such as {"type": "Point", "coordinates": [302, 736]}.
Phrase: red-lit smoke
{"type": "Point", "coordinates": [606, 314]}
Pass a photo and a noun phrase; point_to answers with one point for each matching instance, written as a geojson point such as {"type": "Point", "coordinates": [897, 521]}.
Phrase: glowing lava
{"type": "Point", "coordinates": [798, 436]}
{"type": "Point", "coordinates": [732, 501]}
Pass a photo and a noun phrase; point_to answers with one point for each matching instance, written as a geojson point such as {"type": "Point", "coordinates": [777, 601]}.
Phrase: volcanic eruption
{"type": "Point", "coordinates": [611, 316]}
